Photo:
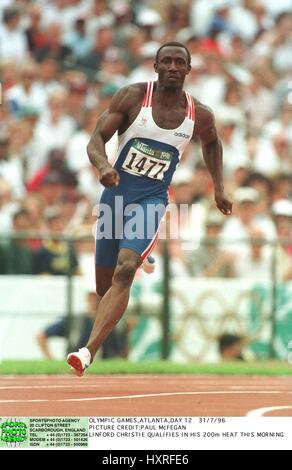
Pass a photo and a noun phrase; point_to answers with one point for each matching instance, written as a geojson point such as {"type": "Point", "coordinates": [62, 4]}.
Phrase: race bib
{"type": "Point", "coordinates": [143, 160]}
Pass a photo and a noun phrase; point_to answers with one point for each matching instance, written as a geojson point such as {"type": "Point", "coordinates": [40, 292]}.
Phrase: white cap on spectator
{"type": "Point", "coordinates": [149, 49]}
{"type": "Point", "coordinates": [214, 217]}
{"type": "Point", "coordinates": [148, 17]}
{"type": "Point", "coordinates": [227, 115]}
{"type": "Point", "coordinates": [182, 176]}
{"type": "Point", "coordinates": [241, 74]}
{"type": "Point", "coordinates": [245, 194]}
{"type": "Point", "coordinates": [282, 207]}
{"type": "Point", "coordinates": [220, 4]}
{"type": "Point", "coordinates": [120, 8]}
{"type": "Point", "coordinates": [185, 34]}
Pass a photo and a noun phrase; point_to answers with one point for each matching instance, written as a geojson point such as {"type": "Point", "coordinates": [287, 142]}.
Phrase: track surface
{"type": "Point", "coordinates": [145, 395]}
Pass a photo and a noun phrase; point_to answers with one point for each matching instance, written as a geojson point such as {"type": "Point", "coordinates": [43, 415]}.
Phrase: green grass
{"type": "Point", "coordinates": [125, 367]}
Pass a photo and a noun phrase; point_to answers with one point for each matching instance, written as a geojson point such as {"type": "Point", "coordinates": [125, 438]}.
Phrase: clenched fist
{"type": "Point", "coordinates": [223, 204]}
{"type": "Point", "coordinates": [109, 177]}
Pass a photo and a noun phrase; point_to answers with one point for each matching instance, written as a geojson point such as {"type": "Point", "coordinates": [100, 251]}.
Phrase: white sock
{"type": "Point", "coordinates": [86, 352]}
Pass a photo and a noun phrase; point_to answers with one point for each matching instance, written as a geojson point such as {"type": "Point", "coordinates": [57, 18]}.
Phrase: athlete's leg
{"type": "Point", "coordinates": [126, 260]}
{"type": "Point", "coordinates": [114, 303]}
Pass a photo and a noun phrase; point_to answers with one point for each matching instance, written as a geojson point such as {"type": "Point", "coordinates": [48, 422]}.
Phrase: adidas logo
{"type": "Point", "coordinates": [181, 134]}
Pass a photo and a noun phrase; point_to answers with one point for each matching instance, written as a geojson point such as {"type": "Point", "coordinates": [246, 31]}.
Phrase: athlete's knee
{"type": "Point", "coordinates": [125, 271]}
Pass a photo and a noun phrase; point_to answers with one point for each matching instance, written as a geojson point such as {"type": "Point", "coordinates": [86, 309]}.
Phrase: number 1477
{"type": "Point", "coordinates": [146, 167]}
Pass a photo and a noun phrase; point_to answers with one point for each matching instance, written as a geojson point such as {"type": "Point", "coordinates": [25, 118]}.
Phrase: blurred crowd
{"type": "Point", "coordinates": [61, 61]}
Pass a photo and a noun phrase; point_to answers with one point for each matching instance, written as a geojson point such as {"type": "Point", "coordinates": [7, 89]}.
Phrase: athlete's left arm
{"type": "Point", "coordinates": [212, 154]}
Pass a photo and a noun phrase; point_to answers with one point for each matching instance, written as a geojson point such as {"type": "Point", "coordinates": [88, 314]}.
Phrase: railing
{"type": "Point", "coordinates": [163, 312]}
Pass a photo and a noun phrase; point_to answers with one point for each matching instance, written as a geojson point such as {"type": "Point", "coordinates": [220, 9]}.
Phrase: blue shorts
{"type": "Point", "coordinates": [126, 222]}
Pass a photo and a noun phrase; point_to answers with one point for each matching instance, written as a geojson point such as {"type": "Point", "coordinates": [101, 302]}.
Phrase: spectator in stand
{"type": "Point", "coordinates": [282, 186]}
{"type": "Point", "coordinates": [77, 86]}
{"type": "Point", "coordinates": [135, 39]}
{"type": "Point", "coordinates": [16, 257]}
{"type": "Point", "coordinates": [77, 40]}
{"type": "Point", "coordinates": [220, 23]}
{"type": "Point", "coordinates": [202, 187]}
{"type": "Point", "coordinates": [91, 62]}
{"type": "Point", "coordinates": [276, 153]}
{"type": "Point", "coordinates": [10, 166]}
{"type": "Point", "coordinates": [99, 16]}
{"type": "Point", "coordinates": [275, 45]}
{"type": "Point", "coordinates": [9, 76]}
{"type": "Point", "coordinates": [237, 228]}
{"type": "Point", "coordinates": [213, 80]}
{"type": "Point", "coordinates": [55, 164]}
{"type": "Point", "coordinates": [52, 189]}
{"type": "Point", "coordinates": [36, 38]}
{"type": "Point", "coordinates": [77, 160]}
{"type": "Point", "coordinates": [114, 346]}
{"type": "Point", "coordinates": [177, 17]}
{"type": "Point", "coordinates": [70, 208]}
{"type": "Point", "coordinates": [54, 48]}
{"type": "Point", "coordinates": [231, 347]}
{"type": "Point", "coordinates": [264, 187]}
{"type": "Point", "coordinates": [113, 68]}
{"type": "Point", "coordinates": [145, 71]}
{"type": "Point", "coordinates": [53, 130]}
{"type": "Point", "coordinates": [13, 42]}
{"type": "Point", "coordinates": [211, 259]}
{"type": "Point", "coordinates": [149, 20]}
{"type": "Point", "coordinates": [124, 19]}
{"type": "Point", "coordinates": [282, 214]}
{"type": "Point", "coordinates": [49, 75]}
{"type": "Point", "coordinates": [34, 205]}
{"type": "Point", "coordinates": [185, 219]}
{"type": "Point", "coordinates": [281, 123]}
{"type": "Point", "coordinates": [234, 147]}
{"type": "Point", "coordinates": [249, 19]}
{"type": "Point", "coordinates": [81, 324]}
{"type": "Point", "coordinates": [8, 205]}
{"type": "Point", "coordinates": [255, 260]}
{"type": "Point", "coordinates": [28, 92]}
{"type": "Point", "coordinates": [258, 101]}
{"type": "Point", "coordinates": [76, 148]}
{"type": "Point", "coordinates": [55, 257]}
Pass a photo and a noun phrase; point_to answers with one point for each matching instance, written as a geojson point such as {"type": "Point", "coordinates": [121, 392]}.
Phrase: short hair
{"type": "Point", "coordinates": [22, 212]}
{"type": "Point", "coordinates": [10, 12]}
{"type": "Point", "coordinates": [227, 340]}
{"type": "Point", "coordinates": [174, 44]}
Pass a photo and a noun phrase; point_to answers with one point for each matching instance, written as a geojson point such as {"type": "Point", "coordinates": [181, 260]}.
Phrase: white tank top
{"type": "Point", "coordinates": [150, 153]}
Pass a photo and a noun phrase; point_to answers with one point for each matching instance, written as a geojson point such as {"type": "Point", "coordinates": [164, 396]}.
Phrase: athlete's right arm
{"type": "Point", "coordinates": [108, 123]}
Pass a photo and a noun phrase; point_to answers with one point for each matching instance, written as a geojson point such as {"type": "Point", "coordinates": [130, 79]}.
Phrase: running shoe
{"type": "Point", "coordinates": [79, 361]}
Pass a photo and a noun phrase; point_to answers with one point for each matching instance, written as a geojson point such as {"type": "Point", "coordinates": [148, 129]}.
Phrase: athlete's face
{"type": "Point", "coordinates": [172, 67]}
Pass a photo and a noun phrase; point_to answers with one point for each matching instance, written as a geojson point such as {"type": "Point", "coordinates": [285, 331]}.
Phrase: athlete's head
{"type": "Point", "coordinates": [172, 63]}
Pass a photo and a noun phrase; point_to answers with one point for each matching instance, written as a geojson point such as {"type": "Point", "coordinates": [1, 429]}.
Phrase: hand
{"type": "Point", "coordinates": [109, 177]}
{"type": "Point", "coordinates": [223, 204]}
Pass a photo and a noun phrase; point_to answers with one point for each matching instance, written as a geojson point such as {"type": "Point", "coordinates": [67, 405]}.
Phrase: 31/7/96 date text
{"type": "Point", "coordinates": [211, 420]}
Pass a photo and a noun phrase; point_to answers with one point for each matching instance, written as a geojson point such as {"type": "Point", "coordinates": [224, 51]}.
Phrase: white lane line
{"type": "Point", "coordinates": [127, 397]}
{"type": "Point", "coordinates": [254, 387]}
{"type": "Point", "coordinates": [86, 385]}
{"type": "Point", "coordinates": [114, 375]}
{"type": "Point", "coordinates": [29, 387]}
{"type": "Point", "coordinates": [258, 412]}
